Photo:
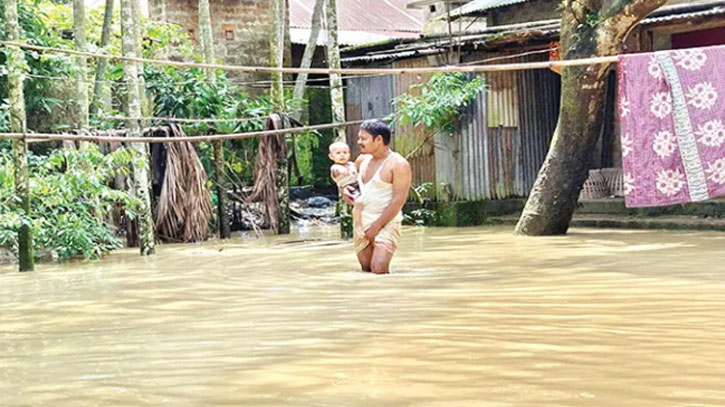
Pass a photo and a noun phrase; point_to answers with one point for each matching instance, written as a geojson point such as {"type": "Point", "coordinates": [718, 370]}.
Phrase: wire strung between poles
{"type": "Point", "coordinates": [341, 71]}
{"type": "Point", "coordinates": [39, 137]}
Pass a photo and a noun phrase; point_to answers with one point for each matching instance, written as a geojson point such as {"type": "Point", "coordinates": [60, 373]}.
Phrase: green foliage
{"type": "Point", "coordinates": [593, 20]}
{"type": "Point", "coordinates": [442, 101]}
{"type": "Point", "coordinates": [421, 216]}
{"type": "Point", "coordinates": [39, 98]}
{"type": "Point", "coordinates": [69, 200]}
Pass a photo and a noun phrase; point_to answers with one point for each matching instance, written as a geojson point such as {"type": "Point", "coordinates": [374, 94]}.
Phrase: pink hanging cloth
{"type": "Point", "coordinates": [672, 116]}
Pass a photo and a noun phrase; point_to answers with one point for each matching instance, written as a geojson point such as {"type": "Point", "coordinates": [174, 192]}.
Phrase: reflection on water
{"type": "Point", "coordinates": [469, 317]}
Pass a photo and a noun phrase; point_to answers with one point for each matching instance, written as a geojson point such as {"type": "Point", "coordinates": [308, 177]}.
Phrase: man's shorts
{"type": "Point", "coordinates": [386, 239]}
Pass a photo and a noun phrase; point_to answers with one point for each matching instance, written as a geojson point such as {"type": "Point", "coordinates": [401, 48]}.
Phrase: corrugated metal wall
{"type": "Point", "coordinates": [502, 140]}
{"type": "Point", "coordinates": [372, 97]}
{"type": "Point", "coordinates": [367, 98]}
{"type": "Point", "coordinates": [505, 135]}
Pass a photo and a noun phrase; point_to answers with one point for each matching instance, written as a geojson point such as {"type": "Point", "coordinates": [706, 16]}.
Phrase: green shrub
{"type": "Point", "coordinates": [70, 199]}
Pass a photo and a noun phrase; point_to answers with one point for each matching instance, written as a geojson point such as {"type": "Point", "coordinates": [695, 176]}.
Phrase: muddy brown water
{"type": "Point", "coordinates": [470, 317]}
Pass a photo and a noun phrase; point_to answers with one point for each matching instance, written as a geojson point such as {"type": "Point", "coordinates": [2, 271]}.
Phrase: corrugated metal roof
{"type": "Point", "coordinates": [429, 45]}
{"type": "Point", "coordinates": [383, 19]}
{"type": "Point", "coordinates": [477, 6]}
{"type": "Point", "coordinates": [685, 16]}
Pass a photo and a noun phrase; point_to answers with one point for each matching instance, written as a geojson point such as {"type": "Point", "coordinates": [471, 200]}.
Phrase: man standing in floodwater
{"type": "Point", "coordinates": [384, 179]}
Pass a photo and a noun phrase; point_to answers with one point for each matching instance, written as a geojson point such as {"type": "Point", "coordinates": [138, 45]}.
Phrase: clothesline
{"type": "Point", "coordinates": [327, 71]}
{"type": "Point", "coordinates": [191, 139]}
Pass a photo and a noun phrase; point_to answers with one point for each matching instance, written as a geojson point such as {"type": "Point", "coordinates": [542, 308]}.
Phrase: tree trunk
{"type": "Point", "coordinates": [16, 67]}
{"type": "Point", "coordinates": [205, 37]}
{"type": "Point", "coordinates": [99, 96]}
{"type": "Point", "coordinates": [307, 57]}
{"type": "Point", "coordinates": [138, 46]}
{"type": "Point", "coordinates": [207, 47]}
{"type": "Point", "coordinates": [333, 58]}
{"type": "Point", "coordinates": [133, 109]}
{"type": "Point", "coordinates": [337, 102]}
{"type": "Point", "coordinates": [589, 28]}
{"type": "Point", "coordinates": [276, 48]}
{"type": "Point", "coordinates": [79, 28]}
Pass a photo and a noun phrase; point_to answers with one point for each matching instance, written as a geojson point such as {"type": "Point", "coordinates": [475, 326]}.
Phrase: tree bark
{"type": "Point", "coordinates": [133, 109]}
{"type": "Point", "coordinates": [79, 28]}
{"type": "Point", "coordinates": [333, 58]}
{"type": "Point", "coordinates": [589, 28]}
{"type": "Point", "coordinates": [307, 57]}
{"type": "Point", "coordinates": [205, 37]}
{"type": "Point", "coordinates": [207, 47]}
{"type": "Point", "coordinates": [337, 102]}
{"type": "Point", "coordinates": [138, 44]}
{"type": "Point", "coordinates": [276, 48]}
{"type": "Point", "coordinates": [99, 96]}
{"type": "Point", "coordinates": [16, 67]}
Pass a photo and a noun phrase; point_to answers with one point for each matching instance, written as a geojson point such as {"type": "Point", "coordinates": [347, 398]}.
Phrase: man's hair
{"type": "Point", "coordinates": [377, 128]}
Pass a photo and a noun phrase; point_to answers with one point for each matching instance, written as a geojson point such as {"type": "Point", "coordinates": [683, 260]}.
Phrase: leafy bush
{"type": "Point", "coordinates": [40, 98]}
{"type": "Point", "coordinates": [70, 199]}
{"type": "Point", "coordinates": [441, 102]}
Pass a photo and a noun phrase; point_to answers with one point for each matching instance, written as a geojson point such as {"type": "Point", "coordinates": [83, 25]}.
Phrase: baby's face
{"type": "Point", "coordinates": [340, 155]}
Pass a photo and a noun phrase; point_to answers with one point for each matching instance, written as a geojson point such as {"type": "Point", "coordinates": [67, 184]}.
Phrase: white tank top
{"type": "Point", "coordinates": [376, 195]}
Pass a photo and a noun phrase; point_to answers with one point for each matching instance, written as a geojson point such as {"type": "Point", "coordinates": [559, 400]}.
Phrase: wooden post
{"type": "Point", "coordinates": [276, 48]}
{"type": "Point", "coordinates": [16, 68]}
{"type": "Point", "coordinates": [133, 109]}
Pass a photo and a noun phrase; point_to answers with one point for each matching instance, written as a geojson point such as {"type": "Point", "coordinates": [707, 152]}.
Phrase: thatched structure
{"type": "Point", "coordinates": [184, 205]}
{"type": "Point", "coordinates": [271, 151]}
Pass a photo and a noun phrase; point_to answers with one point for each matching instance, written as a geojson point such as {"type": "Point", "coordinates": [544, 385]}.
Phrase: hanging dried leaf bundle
{"type": "Point", "coordinates": [184, 205]}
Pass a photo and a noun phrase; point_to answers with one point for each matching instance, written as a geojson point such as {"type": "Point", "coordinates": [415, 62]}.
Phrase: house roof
{"type": "Point", "coordinates": [359, 21]}
{"type": "Point", "coordinates": [522, 33]}
{"type": "Point", "coordinates": [478, 6]}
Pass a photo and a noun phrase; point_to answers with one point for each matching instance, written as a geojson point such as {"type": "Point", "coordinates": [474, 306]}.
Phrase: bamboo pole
{"type": "Point", "coordinates": [276, 48]}
{"type": "Point", "coordinates": [16, 67]}
{"type": "Point", "coordinates": [112, 136]}
{"type": "Point", "coordinates": [133, 106]}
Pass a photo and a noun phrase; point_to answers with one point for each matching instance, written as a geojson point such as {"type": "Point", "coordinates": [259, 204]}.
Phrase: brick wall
{"type": "Point", "coordinates": [240, 28]}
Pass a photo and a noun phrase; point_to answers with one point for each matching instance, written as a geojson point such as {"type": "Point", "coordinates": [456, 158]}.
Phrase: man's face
{"type": "Point", "coordinates": [340, 154]}
{"type": "Point", "coordinates": [367, 142]}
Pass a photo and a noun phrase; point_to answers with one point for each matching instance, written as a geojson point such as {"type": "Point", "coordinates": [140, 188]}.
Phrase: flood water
{"type": "Point", "coordinates": [469, 317]}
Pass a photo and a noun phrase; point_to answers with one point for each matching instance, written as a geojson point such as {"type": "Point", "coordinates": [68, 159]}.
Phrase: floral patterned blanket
{"type": "Point", "coordinates": [672, 116]}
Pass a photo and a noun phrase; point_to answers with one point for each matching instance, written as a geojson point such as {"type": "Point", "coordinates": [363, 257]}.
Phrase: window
{"type": "Point", "coordinates": [229, 30]}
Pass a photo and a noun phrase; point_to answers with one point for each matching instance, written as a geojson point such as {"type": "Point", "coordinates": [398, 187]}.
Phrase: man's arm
{"type": "Point", "coordinates": [402, 179]}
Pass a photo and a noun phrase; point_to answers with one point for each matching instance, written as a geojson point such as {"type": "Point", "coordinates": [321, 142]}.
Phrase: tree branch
{"type": "Point", "coordinates": [631, 8]}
